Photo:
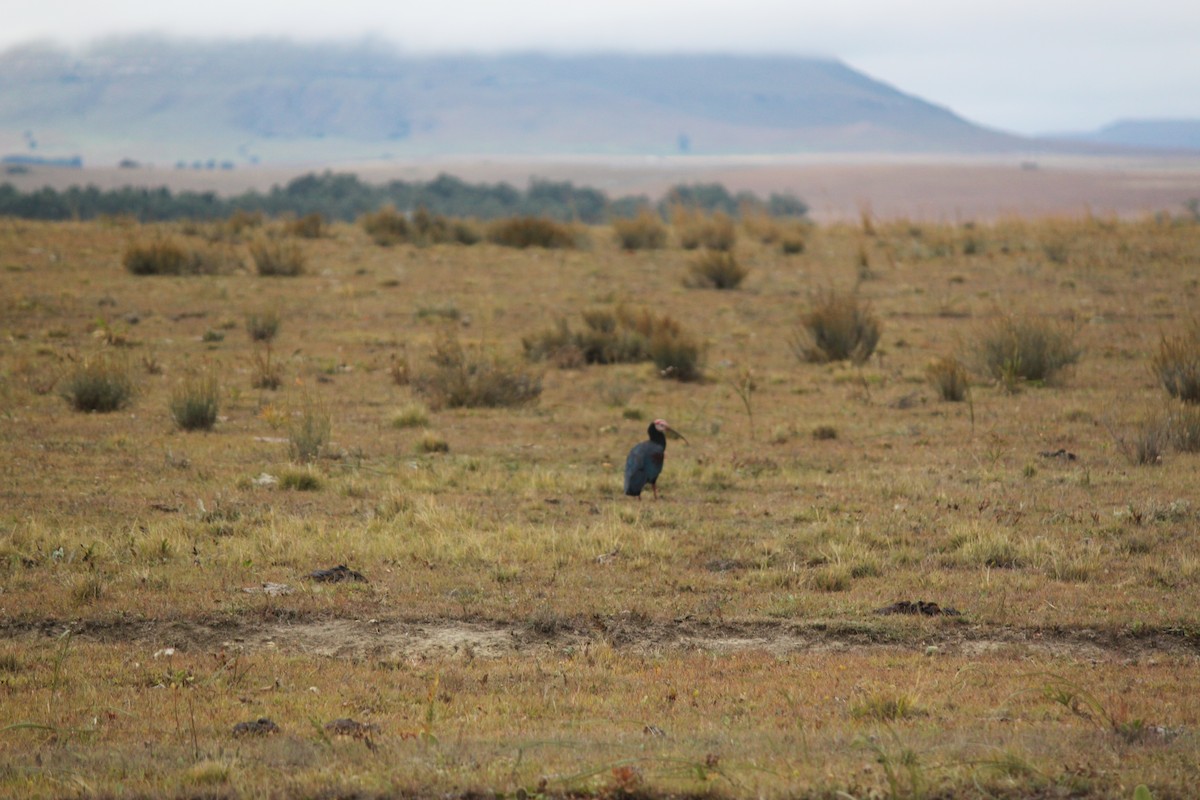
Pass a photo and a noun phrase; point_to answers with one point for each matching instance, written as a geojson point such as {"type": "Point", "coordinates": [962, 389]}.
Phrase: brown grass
{"type": "Point", "coordinates": [525, 627]}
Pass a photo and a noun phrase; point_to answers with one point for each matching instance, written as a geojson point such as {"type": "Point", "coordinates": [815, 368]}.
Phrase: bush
{"type": "Point", "coordinates": [715, 269]}
{"type": "Point", "coordinates": [309, 432]}
{"type": "Point", "coordinates": [436, 229]}
{"type": "Point", "coordinates": [476, 379]}
{"type": "Point", "coordinates": [102, 384]}
{"type": "Point", "coordinates": [300, 480]}
{"type": "Point", "coordinates": [524, 232]}
{"type": "Point", "coordinates": [273, 257]}
{"type": "Point", "coordinates": [643, 232]}
{"type": "Point", "coordinates": [1011, 349]}
{"type": "Point", "coordinates": [837, 327]}
{"type": "Point", "coordinates": [1177, 365]}
{"type": "Point", "coordinates": [386, 227]}
{"type": "Point", "coordinates": [949, 378]}
{"type": "Point", "coordinates": [432, 443]}
{"type": "Point", "coordinates": [413, 415]}
{"type": "Point", "coordinates": [194, 403]}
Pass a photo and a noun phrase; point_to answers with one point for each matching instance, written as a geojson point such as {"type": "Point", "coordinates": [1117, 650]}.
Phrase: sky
{"type": "Point", "coordinates": [1020, 66]}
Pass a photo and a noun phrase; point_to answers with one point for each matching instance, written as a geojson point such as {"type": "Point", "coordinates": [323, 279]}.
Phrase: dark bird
{"type": "Point", "coordinates": [645, 461]}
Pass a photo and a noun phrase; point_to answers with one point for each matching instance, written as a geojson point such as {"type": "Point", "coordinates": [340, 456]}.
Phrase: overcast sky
{"type": "Point", "coordinates": [1024, 66]}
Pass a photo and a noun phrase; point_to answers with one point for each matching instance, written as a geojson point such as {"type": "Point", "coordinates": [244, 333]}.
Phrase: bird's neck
{"type": "Point", "coordinates": [657, 436]}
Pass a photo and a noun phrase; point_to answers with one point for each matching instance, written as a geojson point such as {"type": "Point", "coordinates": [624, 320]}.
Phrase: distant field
{"type": "Point", "coordinates": [524, 629]}
{"type": "Point", "coordinates": [925, 188]}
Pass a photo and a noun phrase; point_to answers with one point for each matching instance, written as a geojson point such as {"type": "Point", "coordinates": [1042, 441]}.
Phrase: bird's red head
{"type": "Point", "coordinates": [661, 425]}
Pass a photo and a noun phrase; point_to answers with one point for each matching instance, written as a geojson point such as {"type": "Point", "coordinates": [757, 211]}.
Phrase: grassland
{"type": "Point", "coordinates": [524, 628]}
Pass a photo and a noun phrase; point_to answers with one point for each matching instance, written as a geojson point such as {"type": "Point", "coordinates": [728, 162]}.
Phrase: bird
{"type": "Point", "coordinates": [645, 461]}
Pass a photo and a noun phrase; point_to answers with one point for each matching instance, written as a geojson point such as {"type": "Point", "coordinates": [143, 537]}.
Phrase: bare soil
{"type": "Point", "coordinates": [395, 639]}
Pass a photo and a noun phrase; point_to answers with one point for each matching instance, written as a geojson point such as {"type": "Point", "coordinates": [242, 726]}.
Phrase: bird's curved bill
{"type": "Point", "coordinates": [674, 434]}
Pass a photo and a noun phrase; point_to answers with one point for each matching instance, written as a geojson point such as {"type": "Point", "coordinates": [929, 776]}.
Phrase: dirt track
{"type": "Point", "coordinates": [395, 639]}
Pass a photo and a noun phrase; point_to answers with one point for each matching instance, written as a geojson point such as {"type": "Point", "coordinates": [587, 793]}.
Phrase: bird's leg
{"type": "Point", "coordinates": [655, 488]}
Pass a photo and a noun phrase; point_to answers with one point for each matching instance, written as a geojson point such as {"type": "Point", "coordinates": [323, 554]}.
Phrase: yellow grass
{"type": "Point", "coordinates": [525, 622]}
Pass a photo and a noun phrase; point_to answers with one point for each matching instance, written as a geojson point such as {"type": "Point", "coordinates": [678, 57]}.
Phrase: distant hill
{"type": "Point", "coordinates": [272, 101]}
{"type": "Point", "coordinates": [1158, 134]}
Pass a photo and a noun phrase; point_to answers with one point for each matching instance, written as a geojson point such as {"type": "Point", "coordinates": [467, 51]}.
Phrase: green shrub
{"type": "Point", "coordinates": [387, 227]}
{"type": "Point", "coordinates": [102, 383]}
{"type": "Point", "coordinates": [643, 232]}
{"type": "Point", "coordinates": [837, 327]}
{"type": "Point", "coordinates": [263, 326]}
{"type": "Point", "coordinates": [276, 257]}
{"type": "Point", "coordinates": [308, 432]}
{"type": "Point", "coordinates": [1026, 348]}
{"type": "Point", "coordinates": [525, 232]}
{"type": "Point", "coordinates": [195, 402]}
{"type": "Point", "coordinates": [715, 269]}
{"type": "Point", "coordinates": [462, 378]}
{"type": "Point", "coordinates": [1177, 365]}
{"type": "Point", "coordinates": [949, 378]}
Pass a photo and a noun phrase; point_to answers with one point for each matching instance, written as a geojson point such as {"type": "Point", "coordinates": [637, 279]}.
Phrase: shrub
{"type": "Point", "coordinates": [837, 327]}
{"type": "Point", "coordinates": [792, 242]}
{"type": "Point", "coordinates": [309, 432]}
{"type": "Point", "coordinates": [274, 257]}
{"type": "Point", "coordinates": [1147, 442]}
{"type": "Point", "coordinates": [386, 227]}
{"type": "Point", "coordinates": [524, 232]}
{"type": "Point", "coordinates": [102, 384]}
{"type": "Point", "coordinates": [715, 269]}
{"type": "Point", "coordinates": [195, 402]}
{"type": "Point", "coordinates": [643, 232]}
{"type": "Point", "coordinates": [263, 326]}
{"type": "Point", "coordinates": [267, 372]}
{"type": "Point", "coordinates": [1177, 365]}
{"type": "Point", "coordinates": [949, 378]}
{"type": "Point", "coordinates": [310, 226]}
{"type": "Point", "coordinates": [677, 355]}
{"type": "Point", "coordinates": [1011, 349]}
{"type": "Point", "coordinates": [459, 378]}
{"type": "Point", "coordinates": [435, 229]}
{"type": "Point", "coordinates": [431, 442]}
{"type": "Point", "coordinates": [1184, 422]}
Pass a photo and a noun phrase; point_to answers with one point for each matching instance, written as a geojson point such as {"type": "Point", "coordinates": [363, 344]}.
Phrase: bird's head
{"type": "Point", "coordinates": [663, 427]}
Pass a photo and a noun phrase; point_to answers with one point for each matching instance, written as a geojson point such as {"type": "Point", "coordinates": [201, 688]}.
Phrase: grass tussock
{"type": "Point", "coordinates": [472, 377]}
{"type": "Point", "coordinates": [195, 403]}
{"type": "Point", "coordinates": [525, 232]}
{"type": "Point", "coordinates": [715, 269]}
{"type": "Point", "coordinates": [309, 226]}
{"type": "Point", "coordinates": [1176, 364]}
{"type": "Point", "coordinates": [620, 336]}
{"type": "Point", "coordinates": [300, 480]}
{"type": "Point", "coordinates": [263, 326]}
{"type": "Point", "coordinates": [1011, 349]}
{"type": "Point", "coordinates": [386, 227]}
{"type": "Point", "coordinates": [277, 258]}
{"type": "Point", "coordinates": [101, 383]}
{"type": "Point", "coordinates": [838, 326]}
{"type": "Point", "coordinates": [309, 430]}
{"type": "Point", "coordinates": [696, 229]}
{"type": "Point", "coordinates": [646, 231]}
{"type": "Point", "coordinates": [167, 257]}
{"type": "Point", "coordinates": [412, 415]}
{"type": "Point", "coordinates": [949, 378]}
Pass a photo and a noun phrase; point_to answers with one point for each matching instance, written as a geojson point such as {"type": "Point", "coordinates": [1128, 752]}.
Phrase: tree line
{"type": "Point", "coordinates": [342, 196]}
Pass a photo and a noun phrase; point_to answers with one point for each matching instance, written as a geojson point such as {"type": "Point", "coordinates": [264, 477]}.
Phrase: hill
{"type": "Point", "coordinates": [1160, 134]}
{"type": "Point", "coordinates": [271, 101]}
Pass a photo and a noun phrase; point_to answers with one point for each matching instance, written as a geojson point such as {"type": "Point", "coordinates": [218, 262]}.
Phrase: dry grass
{"type": "Point", "coordinates": [522, 621]}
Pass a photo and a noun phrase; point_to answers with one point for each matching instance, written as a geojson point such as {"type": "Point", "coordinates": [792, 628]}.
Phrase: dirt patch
{"type": "Point", "coordinates": [394, 639]}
